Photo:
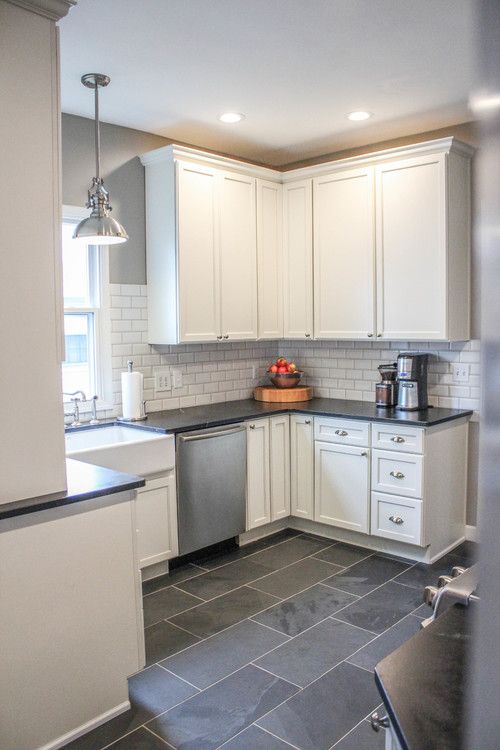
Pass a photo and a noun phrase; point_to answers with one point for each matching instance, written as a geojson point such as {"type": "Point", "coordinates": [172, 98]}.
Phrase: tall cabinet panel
{"type": "Point", "coordinates": [280, 466]}
{"type": "Point", "coordinates": [258, 484]}
{"type": "Point", "coordinates": [302, 466]}
{"type": "Point", "coordinates": [270, 259]}
{"type": "Point", "coordinates": [198, 255]}
{"type": "Point", "coordinates": [344, 255]}
{"type": "Point", "coordinates": [411, 249]}
{"type": "Point", "coordinates": [298, 260]}
{"type": "Point", "coordinates": [238, 257]}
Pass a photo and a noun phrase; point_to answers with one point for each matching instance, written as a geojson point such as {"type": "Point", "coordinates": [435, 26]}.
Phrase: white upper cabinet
{"type": "Point", "coordinates": [270, 259]}
{"type": "Point", "coordinates": [238, 256]}
{"type": "Point", "coordinates": [344, 255]}
{"type": "Point", "coordinates": [198, 254]}
{"type": "Point", "coordinates": [298, 260]}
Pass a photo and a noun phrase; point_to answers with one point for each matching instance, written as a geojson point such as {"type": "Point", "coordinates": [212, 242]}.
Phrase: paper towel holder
{"type": "Point", "coordinates": [135, 419]}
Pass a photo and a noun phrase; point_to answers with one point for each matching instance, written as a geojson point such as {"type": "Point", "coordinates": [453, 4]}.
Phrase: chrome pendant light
{"type": "Point", "coordinates": [99, 228]}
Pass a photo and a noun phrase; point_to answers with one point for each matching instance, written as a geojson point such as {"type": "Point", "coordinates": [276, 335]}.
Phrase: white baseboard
{"type": "Point", "coordinates": [471, 533]}
{"type": "Point", "coordinates": [87, 727]}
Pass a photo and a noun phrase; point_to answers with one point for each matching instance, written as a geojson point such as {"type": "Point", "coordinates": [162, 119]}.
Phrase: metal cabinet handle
{"type": "Point", "coordinates": [252, 426]}
{"type": "Point", "coordinates": [342, 433]}
{"type": "Point", "coordinates": [370, 335]}
{"type": "Point", "coordinates": [219, 338]}
{"type": "Point", "coordinates": [226, 336]}
{"type": "Point", "coordinates": [308, 335]}
{"type": "Point", "coordinates": [307, 421]}
{"type": "Point", "coordinates": [363, 453]}
{"type": "Point", "coordinates": [397, 439]}
{"type": "Point", "coordinates": [397, 474]}
{"type": "Point", "coordinates": [396, 519]}
{"type": "Point", "coordinates": [378, 722]}
{"type": "Point", "coordinates": [379, 335]}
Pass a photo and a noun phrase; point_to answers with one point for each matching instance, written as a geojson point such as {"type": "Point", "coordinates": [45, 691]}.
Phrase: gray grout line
{"type": "Point", "coordinates": [352, 729]}
{"type": "Point", "coordinates": [167, 744]}
{"type": "Point", "coordinates": [178, 676]}
{"type": "Point", "coordinates": [276, 737]}
{"type": "Point", "coordinates": [365, 669]}
{"type": "Point", "coordinates": [358, 627]}
{"type": "Point", "coordinates": [264, 669]}
{"type": "Point", "coordinates": [269, 627]}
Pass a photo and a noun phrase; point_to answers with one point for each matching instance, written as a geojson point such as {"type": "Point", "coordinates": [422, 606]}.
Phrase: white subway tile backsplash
{"type": "Point", "coordinates": [214, 373]}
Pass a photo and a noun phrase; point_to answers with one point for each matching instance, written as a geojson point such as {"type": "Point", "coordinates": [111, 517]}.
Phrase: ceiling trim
{"type": "Point", "coordinates": [52, 9]}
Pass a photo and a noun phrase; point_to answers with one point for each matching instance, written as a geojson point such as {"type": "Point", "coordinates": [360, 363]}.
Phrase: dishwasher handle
{"type": "Point", "coordinates": [214, 434]}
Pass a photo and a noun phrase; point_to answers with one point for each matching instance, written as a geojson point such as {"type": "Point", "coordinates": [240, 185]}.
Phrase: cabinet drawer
{"type": "Point", "coordinates": [343, 431]}
{"type": "Point", "coordinates": [398, 438]}
{"type": "Point", "coordinates": [395, 517]}
{"type": "Point", "coordinates": [397, 473]}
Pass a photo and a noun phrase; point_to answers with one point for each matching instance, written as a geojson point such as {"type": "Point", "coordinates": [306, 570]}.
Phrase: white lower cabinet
{"type": "Point", "coordinates": [302, 466]}
{"type": "Point", "coordinates": [268, 470]}
{"type": "Point", "coordinates": [156, 520]}
{"type": "Point", "coordinates": [342, 486]}
{"type": "Point", "coordinates": [395, 517]}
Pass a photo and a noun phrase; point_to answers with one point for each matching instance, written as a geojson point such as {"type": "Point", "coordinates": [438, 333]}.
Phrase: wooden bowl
{"type": "Point", "coordinates": [286, 379]}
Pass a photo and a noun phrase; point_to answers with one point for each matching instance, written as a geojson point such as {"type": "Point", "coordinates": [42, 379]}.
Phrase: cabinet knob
{"type": "Point", "coordinates": [226, 336]}
{"type": "Point", "coordinates": [378, 722]}
{"type": "Point", "coordinates": [396, 519]}
{"type": "Point", "coordinates": [219, 338]}
{"type": "Point", "coordinates": [307, 421]}
{"type": "Point", "coordinates": [397, 474]}
{"type": "Point", "coordinates": [370, 335]}
{"type": "Point", "coordinates": [342, 433]}
{"type": "Point", "coordinates": [308, 335]}
{"type": "Point", "coordinates": [379, 335]}
{"type": "Point", "coordinates": [364, 453]}
{"type": "Point", "coordinates": [252, 426]}
{"type": "Point", "coordinates": [397, 439]}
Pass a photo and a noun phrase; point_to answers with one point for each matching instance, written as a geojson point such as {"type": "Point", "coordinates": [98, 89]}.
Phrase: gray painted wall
{"type": "Point", "coordinates": [124, 178]}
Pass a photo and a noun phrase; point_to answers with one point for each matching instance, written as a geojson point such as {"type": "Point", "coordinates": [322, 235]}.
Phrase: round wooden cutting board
{"type": "Point", "coordinates": [283, 395]}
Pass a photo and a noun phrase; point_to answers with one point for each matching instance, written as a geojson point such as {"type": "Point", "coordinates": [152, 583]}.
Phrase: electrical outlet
{"type": "Point", "coordinates": [176, 378]}
{"type": "Point", "coordinates": [254, 371]}
{"type": "Point", "coordinates": [162, 380]}
{"type": "Point", "coordinates": [460, 373]}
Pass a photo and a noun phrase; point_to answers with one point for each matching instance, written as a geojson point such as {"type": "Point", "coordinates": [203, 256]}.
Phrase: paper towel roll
{"type": "Point", "coordinates": [132, 395]}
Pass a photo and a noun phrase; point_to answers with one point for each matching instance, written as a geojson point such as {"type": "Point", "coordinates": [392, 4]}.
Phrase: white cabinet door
{"type": "Point", "coordinates": [280, 466]}
{"type": "Point", "coordinates": [298, 259]}
{"type": "Point", "coordinates": [198, 253]}
{"type": "Point", "coordinates": [156, 521]}
{"type": "Point", "coordinates": [238, 256]}
{"type": "Point", "coordinates": [342, 491]}
{"type": "Point", "coordinates": [411, 248]}
{"type": "Point", "coordinates": [258, 484]}
{"type": "Point", "coordinates": [302, 466]}
{"type": "Point", "coordinates": [270, 259]}
{"type": "Point", "coordinates": [344, 255]}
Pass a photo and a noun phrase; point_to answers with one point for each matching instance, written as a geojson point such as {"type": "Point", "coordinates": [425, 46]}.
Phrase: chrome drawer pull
{"type": "Point", "coordinates": [396, 519]}
{"type": "Point", "coordinates": [252, 426]}
{"type": "Point", "coordinates": [378, 722]}
{"type": "Point", "coordinates": [307, 421]}
{"type": "Point", "coordinates": [397, 439]}
{"type": "Point", "coordinates": [342, 433]}
{"type": "Point", "coordinates": [397, 474]}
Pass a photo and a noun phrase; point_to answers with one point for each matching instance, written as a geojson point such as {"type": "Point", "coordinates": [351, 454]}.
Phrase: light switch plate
{"type": "Point", "coordinates": [162, 380]}
{"type": "Point", "coordinates": [461, 373]}
{"type": "Point", "coordinates": [176, 378]}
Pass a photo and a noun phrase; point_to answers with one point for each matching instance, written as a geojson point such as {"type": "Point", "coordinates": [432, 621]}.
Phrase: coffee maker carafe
{"type": "Point", "coordinates": [412, 381]}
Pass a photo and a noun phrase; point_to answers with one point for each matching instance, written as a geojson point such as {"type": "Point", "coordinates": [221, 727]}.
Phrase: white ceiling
{"type": "Point", "coordinates": [294, 67]}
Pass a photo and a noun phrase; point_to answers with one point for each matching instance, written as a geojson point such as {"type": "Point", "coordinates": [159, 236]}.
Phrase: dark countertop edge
{"type": "Point", "coordinates": [417, 645]}
{"type": "Point", "coordinates": [95, 481]}
{"type": "Point", "coordinates": [276, 410]}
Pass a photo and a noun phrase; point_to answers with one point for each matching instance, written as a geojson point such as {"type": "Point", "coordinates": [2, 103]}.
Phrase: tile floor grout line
{"type": "Point", "coordinates": [269, 627]}
{"type": "Point", "coordinates": [278, 738]}
{"type": "Point", "coordinates": [341, 591]}
{"type": "Point", "coordinates": [220, 747]}
{"type": "Point", "coordinates": [358, 627]}
{"type": "Point", "coordinates": [179, 678]}
{"type": "Point", "coordinates": [169, 585]}
{"type": "Point", "coordinates": [167, 744]}
{"type": "Point", "coordinates": [365, 669]}
{"type": "Point", "coordinates": [350, 730]}
{"type": "Point", "coordinates": [264, 669]}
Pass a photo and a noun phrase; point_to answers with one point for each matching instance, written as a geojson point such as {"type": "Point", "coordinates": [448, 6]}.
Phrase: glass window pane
{"type": "Point", "coordinates": [75, 269]}
{"type": "Point", "coordinates": [78, 367]}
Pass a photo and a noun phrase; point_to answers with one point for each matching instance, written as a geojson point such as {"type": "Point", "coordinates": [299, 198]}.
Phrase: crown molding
{"type": "Point", "coordinates": [51, 9]}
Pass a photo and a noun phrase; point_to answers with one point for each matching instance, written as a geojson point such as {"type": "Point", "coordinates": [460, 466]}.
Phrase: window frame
{"type": "Point", "coordinates": [100, 295]}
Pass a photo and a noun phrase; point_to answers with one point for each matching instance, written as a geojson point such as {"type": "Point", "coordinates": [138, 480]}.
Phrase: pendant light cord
{"type": "Point", "coordinates": [97, 133]}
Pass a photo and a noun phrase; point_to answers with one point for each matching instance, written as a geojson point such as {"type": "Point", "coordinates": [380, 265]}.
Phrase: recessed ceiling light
{"type": "Point", "coordinates": [231, 117]}
{"type": "Point", "coordinates": [484, 103]}
{"type": "Point", "coordinates": [359, 115]}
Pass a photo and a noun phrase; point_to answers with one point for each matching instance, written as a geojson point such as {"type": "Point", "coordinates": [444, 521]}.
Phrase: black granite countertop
{"type": "Point", "coordinates": [198, 417]}
{"type": "Point", "coordinates": [85, 481]}
{"type": "Point", "coordinates": [423, 684]}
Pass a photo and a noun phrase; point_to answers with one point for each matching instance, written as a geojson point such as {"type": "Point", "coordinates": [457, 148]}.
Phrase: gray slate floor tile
{"type": "Point", "coordinates": [142, 739]}
{"type": "Point", "coordinates": [366, 575]}
{"type": "Point", "coordinates": [165, 603]}
{"type": "Point", "coordinates": [362, 738]}
{"type": "Point", "coordinates": [324, 712]}
{"type": "Point", "coordinates": [422, 575]}
{"type": "Point", "coordinates": [381, 608]}
{"type": "Point", "coordinates": [176, 575]}
{"type": "Point", "coordinates": [343, 554]}
{"type": "Point", "coordinates": [305, 609]}
{"type": "Point", "coordinates": [210, 718]}
{"type": "Point", "coordinates": [152, 691]}
{"type": "Point", "coordinates": [214, 616]}
{"type": "Point", "coordinates": [222, 580]}
{"type": "Point", "coordinates": [295, 578]}
{"type": "Point", "coordinates": [314, 652]}
{"type": "Point", "coordinates": [255, 738]}
{"type": "Point", "coordinates": [389, 641]}
{"type": "Point", "coordinates": [224, 653]}
{"type": "Point", "coordinates": [163, 639]}
{"type": "Point", "coordinates": [221, 558]}
{"type": "Point", "coordinates": [289, 552]}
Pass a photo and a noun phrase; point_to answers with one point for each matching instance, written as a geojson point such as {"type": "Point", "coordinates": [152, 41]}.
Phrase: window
{"type": "Point", "coordinates": [87, 365]}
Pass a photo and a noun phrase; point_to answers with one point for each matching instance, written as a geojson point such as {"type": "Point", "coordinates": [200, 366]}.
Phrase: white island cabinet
{"type": "Point", "coordinates": [71, 627]}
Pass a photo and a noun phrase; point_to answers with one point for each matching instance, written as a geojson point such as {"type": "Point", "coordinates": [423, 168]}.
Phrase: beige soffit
{"type": "Point", "coordinates": [52, 9]}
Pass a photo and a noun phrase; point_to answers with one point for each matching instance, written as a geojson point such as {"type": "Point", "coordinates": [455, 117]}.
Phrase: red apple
{"type": "Point", "coordinates": [282, 369]}
{"type": "Point", "coordinates": [273, 369]}
{"type": "Point", "coordinates": [281, 362]}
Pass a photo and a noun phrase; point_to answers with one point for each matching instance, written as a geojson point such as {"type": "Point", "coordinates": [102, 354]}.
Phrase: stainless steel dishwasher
{"type": "Point", "coordinates": [211, 486]}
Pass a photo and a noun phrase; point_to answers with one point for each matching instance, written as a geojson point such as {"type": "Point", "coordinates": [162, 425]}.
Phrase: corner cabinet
{"type": "Point", "coordinates": [298, 260]}
{"type": "Point", "coordinates": [302, 466]}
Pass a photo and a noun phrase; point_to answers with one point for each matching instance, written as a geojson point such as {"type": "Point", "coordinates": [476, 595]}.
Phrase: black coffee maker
{"type": "Point", "coordinates": [412, 381]}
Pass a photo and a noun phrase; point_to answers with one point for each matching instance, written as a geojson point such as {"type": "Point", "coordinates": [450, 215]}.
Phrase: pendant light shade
{"type": "Point", "coordinates": [99, 228]}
